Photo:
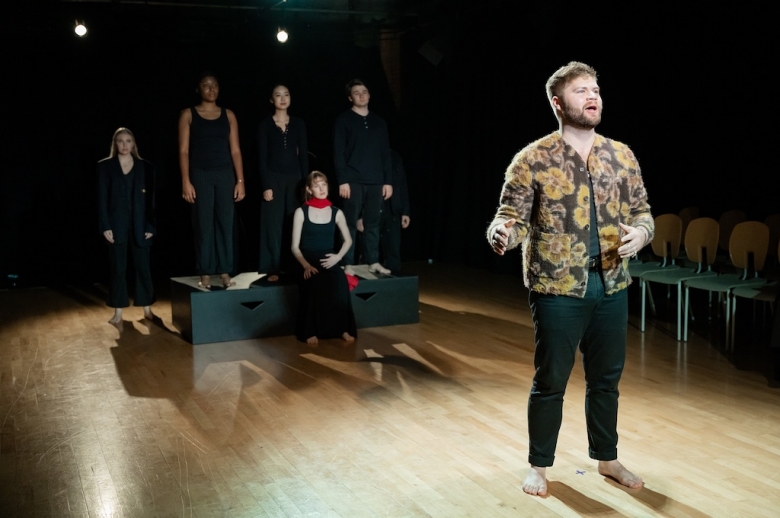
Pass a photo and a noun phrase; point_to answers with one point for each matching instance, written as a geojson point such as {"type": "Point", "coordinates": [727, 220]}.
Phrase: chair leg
{"type": "Point", "coordinates": [642, 323]}
{"type": "Point", "coordinates": [687, 303]}
{"type": "Point", "coordinates": [679, 309]}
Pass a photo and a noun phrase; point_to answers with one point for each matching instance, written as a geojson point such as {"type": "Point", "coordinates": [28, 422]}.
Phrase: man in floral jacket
{"type": "Point", "coordinates": [576, 203]}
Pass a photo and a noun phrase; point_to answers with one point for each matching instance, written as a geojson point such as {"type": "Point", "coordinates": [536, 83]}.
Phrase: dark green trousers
{"type": "Point", "coordinates": [598, 324]}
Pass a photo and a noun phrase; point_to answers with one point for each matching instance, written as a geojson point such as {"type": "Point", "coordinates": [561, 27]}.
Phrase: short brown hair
{"type": "Point", "coordinates": [565, 75]}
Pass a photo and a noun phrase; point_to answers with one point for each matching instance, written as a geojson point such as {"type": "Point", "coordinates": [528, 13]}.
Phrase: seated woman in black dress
{"type": "Point", "coordinates": [325, 307]}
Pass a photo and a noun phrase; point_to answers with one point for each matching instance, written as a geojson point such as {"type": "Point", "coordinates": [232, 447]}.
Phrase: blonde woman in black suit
{"type": "Point", "coordinates": [126, 221]}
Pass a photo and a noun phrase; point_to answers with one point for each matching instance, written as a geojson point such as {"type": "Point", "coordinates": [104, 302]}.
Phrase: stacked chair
{"type": "Point", "coordinates": [767, 294]}
{"type": "Point", "coordinates": [747, 251]}
{"type": "Point", "coordinates": [701, 246]}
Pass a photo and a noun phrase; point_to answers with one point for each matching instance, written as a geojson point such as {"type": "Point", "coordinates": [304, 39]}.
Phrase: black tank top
{"type": "Point", "coordinates": [210, 142]}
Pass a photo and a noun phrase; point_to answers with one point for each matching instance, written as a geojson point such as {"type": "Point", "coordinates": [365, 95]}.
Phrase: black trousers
{"type": "Point", "coordinates": [212, 220]}
{"type": "Point", "coordinates": [598, 324]}
{"type": "Point", "coordinates": [365, 201]}
{"type": "Point", "coordinates": [117, 285]}
{"type": "Point", "coordinates": [276, 224]}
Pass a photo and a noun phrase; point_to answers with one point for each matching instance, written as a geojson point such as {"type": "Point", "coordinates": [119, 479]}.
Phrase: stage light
{"type": "Point", "coordinates": [80, 29]}
{"type": "Point", "coordinates": [282, 35]}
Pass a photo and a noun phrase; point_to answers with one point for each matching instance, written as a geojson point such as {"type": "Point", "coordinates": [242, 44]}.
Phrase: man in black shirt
{"type": "Point", "coordinates": [364, 171]}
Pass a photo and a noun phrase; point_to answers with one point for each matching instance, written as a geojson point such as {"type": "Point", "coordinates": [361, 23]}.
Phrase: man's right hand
{"type": "Point", "coordinates": [344, 191]}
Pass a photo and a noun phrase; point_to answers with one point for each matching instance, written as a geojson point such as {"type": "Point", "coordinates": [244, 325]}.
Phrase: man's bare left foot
{"type": "Point", "coordinates": [312, 341]}
{"type": "Point", "coordinates": [117, 316]}
{"type": "Point", "coordinates": [347, 337]}
{"type": "Point", "coordinates": [616, 471]}
{"type": "Point", "coordinates": [535, 482]}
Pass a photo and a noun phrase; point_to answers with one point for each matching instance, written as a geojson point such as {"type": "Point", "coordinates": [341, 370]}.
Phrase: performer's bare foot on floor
{"type": "Point", "coordinates": [273, 278]}
{"type": "Point", "coordinates": [205, 282]}
{"type": "Point", "coordinates": [535, 482]}
{"type": "Point", "coordinates": [312, 341]}
{"type": "Point", "coordinates": [117, 316]}
{"type": "Point", "coordinates": [349, 270]}
{"type": "Point", "coordinates": [347, 337]}
{"type": "Point", "coordinates": [616, 471]}
{"type": "Point", "coordinates": [378, 268]}
{"type": "Point", "coordinates": [148, 315]}
{"type": "Point", "coordinates": [226, 280]}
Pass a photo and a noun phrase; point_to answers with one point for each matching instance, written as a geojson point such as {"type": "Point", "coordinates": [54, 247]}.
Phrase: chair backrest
{"type": "Point", "coordinates": [727, 221]}
{"type": "Point", "coordinates": [668, 233]}
{"type": "Point", "coordinates": [687, 215]}
{"type": "Point", "coordinates": [749, 237]}
{"type": "Point", "coordinates": [701, 240]}
{"type": "Point", "coordinates": [773, 222]}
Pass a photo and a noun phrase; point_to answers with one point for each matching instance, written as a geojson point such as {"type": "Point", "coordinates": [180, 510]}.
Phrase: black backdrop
{"type": "Point", "coordinates": [690, 91]}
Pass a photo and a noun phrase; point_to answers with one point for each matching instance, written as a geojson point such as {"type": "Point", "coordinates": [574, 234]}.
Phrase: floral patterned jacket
{"type": "Point", "coordinates": [546, 190]}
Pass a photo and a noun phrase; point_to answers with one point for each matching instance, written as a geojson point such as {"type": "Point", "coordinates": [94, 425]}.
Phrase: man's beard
{"type": "Point", "coordinates": [579, 119]}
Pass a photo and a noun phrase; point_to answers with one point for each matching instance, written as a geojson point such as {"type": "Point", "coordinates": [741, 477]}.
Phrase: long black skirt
{"type": "Point", "coordinates": [325, 304]}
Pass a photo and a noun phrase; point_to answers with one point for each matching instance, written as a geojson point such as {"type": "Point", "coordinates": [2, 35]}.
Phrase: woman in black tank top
{"type": "Point", "coordinates": [212, 178]}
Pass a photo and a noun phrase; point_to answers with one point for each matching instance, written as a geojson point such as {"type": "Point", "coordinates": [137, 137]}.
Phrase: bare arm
{"type": "Point", "coordinates": [187, 190]}
{"type": "Point", "coordinates": [235, 152]}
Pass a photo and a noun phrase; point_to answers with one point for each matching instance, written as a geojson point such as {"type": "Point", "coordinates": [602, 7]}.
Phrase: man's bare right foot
{"type": "Point", "coordinates": [535, 482]}
{"type": "Point", "coordinates": [616, 471]}
{"type": "Point", "coordinates": [347, 337]}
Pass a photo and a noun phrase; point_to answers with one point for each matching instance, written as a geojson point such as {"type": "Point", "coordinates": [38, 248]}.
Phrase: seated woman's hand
{"type": "Point", "coordinates": [308, 271]}
{"type": "Point", "coordinates": [330, 260]}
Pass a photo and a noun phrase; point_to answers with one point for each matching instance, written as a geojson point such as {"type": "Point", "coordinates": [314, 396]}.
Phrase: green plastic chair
{"type": "Point", "coordinates": [701, 244]}
{"type": "Point", "coordinates": [747, 250]}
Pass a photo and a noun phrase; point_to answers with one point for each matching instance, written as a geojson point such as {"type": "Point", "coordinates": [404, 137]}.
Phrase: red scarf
{"type": "Point", "coordinates": [318, 203]}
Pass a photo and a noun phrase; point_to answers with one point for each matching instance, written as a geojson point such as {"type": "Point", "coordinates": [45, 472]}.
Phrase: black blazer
{"type": "Point", "coordinates": [112, 214]}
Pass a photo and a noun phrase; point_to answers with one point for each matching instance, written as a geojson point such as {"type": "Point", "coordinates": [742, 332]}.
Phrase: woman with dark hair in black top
{"type": "Point", "coordinates": [126, 221]}
{"type": "Point", "coordinates": [212, 178]}
{"type": "Point", "coordinates": [284, 162]}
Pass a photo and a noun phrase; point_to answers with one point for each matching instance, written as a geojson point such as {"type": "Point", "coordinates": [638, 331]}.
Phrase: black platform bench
{"type": "Point", "coordinates": [254, 310]}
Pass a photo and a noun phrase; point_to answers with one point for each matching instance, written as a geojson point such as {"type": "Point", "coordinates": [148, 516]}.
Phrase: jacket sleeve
{"type": "Point", "coordinates": [150, 187]}
{"type": "Point", "coordinates": [516, 202]}
{"type": "Point", "coordinates": [103, 184]}
{"type": "Point", "coordinates": [639, 208]}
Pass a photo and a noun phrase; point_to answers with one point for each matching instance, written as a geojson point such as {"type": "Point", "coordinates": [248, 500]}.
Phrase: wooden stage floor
{"type": "Point", "coordinates": [421, 420]}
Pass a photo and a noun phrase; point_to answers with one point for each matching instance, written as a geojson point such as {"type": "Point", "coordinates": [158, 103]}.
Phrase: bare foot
{"type": "Point", "coordinates": [273, 278]}
{"type": "Point", "coordinates": [616, 471]}
{"type": "Point", "coordinates": [226, 281]}
{"type": "Point", "coordinates": [349, 270]}
{"type": "Point", "coordinates": [205, 282]}
{"type": "Point", "coordinates": [378, 268]}
{"type": "Point", "coordinates": [117, 316]}
{"type": "Point", "coordinates": [347, 337]}
{"type": "Point", "coordinates": [312, 341]}
{"type": "Point", "coordinates": [535, 482]}
{"type": "Point", "coordinates": [148, 315]}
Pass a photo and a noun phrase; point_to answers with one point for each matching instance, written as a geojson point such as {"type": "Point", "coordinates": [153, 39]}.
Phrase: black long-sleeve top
{"type": "Point", "coordinates": [282, 152]}
{"type": "Point", "coordinates": [361, 149]}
